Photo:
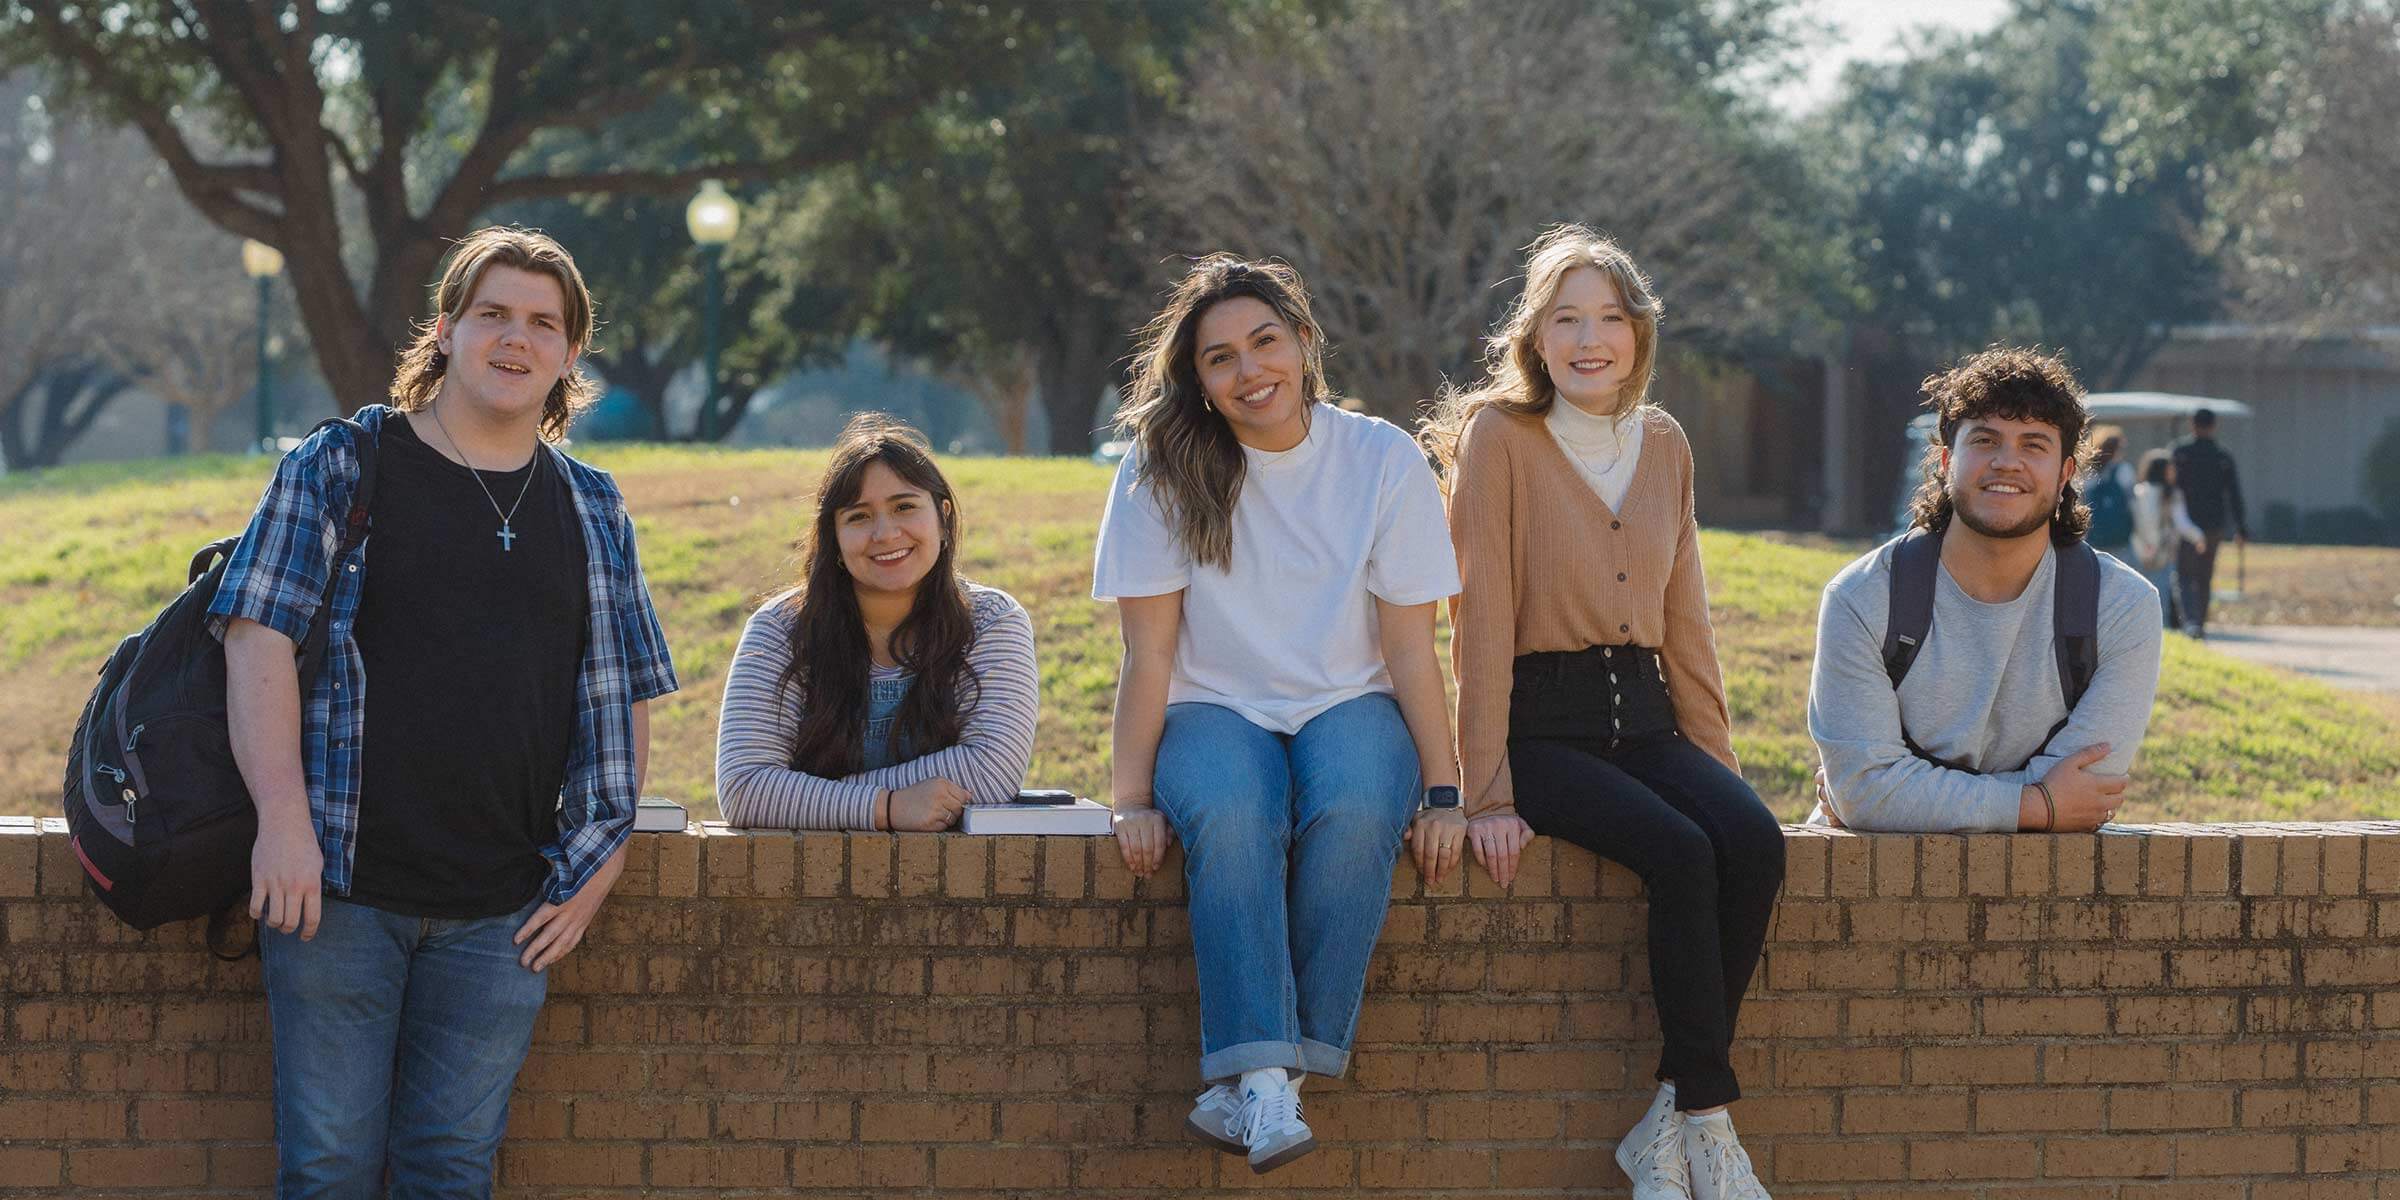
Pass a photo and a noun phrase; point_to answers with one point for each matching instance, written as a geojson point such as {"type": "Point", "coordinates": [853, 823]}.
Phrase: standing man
{"type": "Point", "coordinates": [428, 849]}
{"type": "Point", "coordinates": [2212, 494]}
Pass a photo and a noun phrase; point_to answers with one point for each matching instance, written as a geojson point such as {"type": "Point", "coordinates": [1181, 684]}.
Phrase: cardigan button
{"type": "Point", "coordinates": [1616, 525]}
{"type": "Point", "coordinates": [1624, 629]}
{"type": "Point", "coordinates": [1620, 577]}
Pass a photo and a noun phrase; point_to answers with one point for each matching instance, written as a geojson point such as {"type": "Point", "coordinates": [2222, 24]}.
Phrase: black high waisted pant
{"type": "Point", "coordinates": [1598, 761]}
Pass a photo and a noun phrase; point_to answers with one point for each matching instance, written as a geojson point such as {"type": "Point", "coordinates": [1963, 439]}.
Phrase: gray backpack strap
{"type": "Point", "coordinates": [1915, 560]}
{"type": "Point", "coordinates": [2074, 628]}
{"type": "Point", "coordinates": [2075, 619]}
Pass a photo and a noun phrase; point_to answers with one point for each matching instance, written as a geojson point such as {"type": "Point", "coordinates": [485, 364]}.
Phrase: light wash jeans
{"type": "Point", "coordinates": [1288, 844]}
{"type": "Point", "coordinates": [397, 1041]}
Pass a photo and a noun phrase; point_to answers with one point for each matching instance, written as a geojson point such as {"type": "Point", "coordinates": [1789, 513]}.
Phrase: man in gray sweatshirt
{"type": "Point", "coordinates": [1979, 735]}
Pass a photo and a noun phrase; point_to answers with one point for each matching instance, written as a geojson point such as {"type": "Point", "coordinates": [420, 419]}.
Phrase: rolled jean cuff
{"type": "Point", "coordinates": [1227, 1064]}
{"type": "Point", "coordinates": [1317, 1058]}
{"type": "Point", "coordinates": [1714, 1089]}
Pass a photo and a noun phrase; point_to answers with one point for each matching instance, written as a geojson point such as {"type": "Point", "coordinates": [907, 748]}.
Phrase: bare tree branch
{"type": "Point", "coordinates": [1403, 163]}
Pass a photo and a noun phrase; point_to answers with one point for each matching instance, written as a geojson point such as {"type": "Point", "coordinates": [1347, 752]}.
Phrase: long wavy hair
{"type": "Point", "coordinates": [2020, 385]}
{"type": "Point", "coordinates": [1515, 378]}
{"type": "Point", "coordinates": [1188, 453]}
{"type": "Point", "coordinates": [830, 656]}
{"type": "Point", "coordinates": [423, 365]}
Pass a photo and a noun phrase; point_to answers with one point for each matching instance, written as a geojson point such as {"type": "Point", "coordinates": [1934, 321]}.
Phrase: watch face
{"type": "Point", "coordinates": [1441, 797]}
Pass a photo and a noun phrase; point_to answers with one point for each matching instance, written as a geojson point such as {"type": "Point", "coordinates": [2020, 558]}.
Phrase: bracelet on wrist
{"type": "Point", "coordinates": [2049, 807]}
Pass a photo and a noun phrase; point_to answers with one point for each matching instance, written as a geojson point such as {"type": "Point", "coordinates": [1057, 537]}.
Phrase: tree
{"type": "Point", "coordinates": [1404, 158]}
{"type": "Point", "coordinates": [1994, 200]}
{"type": "Point", "coordinates": [2313, 216]}
{"type": "Point", "coordinates": [113, 281]}
{"type": "Point", "coordinates": [1007, 229]}
{"type": "Point", "coordinates": [407, 121]}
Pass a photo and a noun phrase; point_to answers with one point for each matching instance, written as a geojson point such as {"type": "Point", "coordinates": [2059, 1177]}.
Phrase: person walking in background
{"type": "Point", "coordinates": [2212, 493]}
{"type": "Point", "coordinates": [425, 856]}
{"type": "Point", "coordinates": [882, 692]}
{"type": "Point", "coordinates": [1275, 562]}
{"type": "Point", "coordinates": [1590, 704]}
{"type": "Point", "coordinates": [2108, 492]}
{"type": "Point", "coordinates": [2161, 526]}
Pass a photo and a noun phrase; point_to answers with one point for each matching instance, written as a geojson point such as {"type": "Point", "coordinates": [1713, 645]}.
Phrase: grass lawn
{"type": "Point", "coordinates": [89, 553]}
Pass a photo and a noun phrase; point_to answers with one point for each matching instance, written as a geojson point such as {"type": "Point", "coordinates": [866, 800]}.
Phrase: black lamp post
{"type": "Point", "coordinates": [713, 218]}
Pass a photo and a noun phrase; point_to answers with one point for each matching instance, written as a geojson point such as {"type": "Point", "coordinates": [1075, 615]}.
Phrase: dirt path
{"type": "Point", "coordinates": [2349, 656]}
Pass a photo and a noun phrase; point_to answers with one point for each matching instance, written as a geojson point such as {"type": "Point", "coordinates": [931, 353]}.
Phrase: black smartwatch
{"type": "Point", "coordinates": [1442, 799]}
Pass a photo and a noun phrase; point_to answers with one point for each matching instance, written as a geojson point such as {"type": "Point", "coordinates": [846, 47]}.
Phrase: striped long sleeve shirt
{"type": "Point", "coordinates": [760, 726]}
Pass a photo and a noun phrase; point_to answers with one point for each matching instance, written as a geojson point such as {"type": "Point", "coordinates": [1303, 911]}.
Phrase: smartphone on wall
{"type": "Point", "coordinates": [1045, 796]}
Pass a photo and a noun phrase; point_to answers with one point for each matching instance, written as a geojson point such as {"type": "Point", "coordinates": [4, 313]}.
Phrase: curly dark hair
{"type": "Point", "coordinates": [2018, 384]}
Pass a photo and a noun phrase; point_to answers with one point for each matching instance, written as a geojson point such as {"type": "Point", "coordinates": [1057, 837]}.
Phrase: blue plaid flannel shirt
{"type": "Point", "coordinates": [278, 574]}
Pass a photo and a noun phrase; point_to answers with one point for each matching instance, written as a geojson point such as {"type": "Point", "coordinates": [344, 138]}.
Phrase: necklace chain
{"type": "Point", "coordinates": [506, 535]}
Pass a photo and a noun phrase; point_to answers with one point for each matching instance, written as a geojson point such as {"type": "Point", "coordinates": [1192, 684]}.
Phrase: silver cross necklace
{"type": "Point", "coordinates": [507, 536]}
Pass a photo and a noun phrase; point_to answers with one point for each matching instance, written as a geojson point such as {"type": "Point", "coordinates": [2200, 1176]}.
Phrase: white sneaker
{"type": "Point", "coordinates": [1217, 1119]}
{"type": "Point", "coordinates": [1720, 1168]}
{"type": "Point", "coordinates": [1272, 1129]}
{"type": "Point", "coordinates": [1651, 1153]}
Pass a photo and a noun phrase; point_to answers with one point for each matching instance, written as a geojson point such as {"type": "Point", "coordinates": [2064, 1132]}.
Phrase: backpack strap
{"type": "Point", "coordinates": [354, 531]}
{"type": "Point", "coordinates": [2075, 626]}
{"type": "Point", "coordinates": [1915, 560]}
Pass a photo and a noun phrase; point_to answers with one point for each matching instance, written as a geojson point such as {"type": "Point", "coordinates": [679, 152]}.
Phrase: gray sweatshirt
{"type": "Point", "coordinates": [1984, 690]}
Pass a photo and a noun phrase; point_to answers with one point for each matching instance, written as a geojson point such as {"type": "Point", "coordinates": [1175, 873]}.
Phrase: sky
{"type": "Point", "coordinates": [1871, 30]}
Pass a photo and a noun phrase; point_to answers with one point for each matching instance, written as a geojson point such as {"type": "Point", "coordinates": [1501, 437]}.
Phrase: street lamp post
{"type": "Point", "coordinates": [713, 218]}
{"type": "Point", "coordinates": [263, 263]}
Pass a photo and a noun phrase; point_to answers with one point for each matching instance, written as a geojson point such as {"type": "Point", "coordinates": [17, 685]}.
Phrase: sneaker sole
{"type": "Point", "coordinates": [1285, 1155]}
{"type": "Point", "coordinates": [1200, 1133]}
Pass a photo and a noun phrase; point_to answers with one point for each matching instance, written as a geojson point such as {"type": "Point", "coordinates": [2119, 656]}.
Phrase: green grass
{"type": "Point", "coordinates": [87, 554]}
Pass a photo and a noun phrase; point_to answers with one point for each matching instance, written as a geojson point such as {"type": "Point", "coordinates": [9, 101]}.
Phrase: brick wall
{"type": "Point", "coordinates": [2187, 1012]}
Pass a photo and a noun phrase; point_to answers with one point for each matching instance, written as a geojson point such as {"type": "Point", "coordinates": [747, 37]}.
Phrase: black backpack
{"type": "Point", "coordinates": [157, 811]}
{"type": "Point", "coordinates": [2074, 621]}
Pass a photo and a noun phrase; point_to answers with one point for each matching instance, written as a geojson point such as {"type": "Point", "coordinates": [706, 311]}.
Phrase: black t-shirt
{"type": "Point", "coordinates": [472, 651]}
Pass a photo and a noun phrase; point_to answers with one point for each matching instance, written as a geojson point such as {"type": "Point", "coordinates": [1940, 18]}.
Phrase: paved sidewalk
{"type": "Point", "coordinates": [2351, 656]}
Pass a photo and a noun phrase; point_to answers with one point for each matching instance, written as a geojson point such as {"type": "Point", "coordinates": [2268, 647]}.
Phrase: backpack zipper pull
{"type": "Point", "coordinates": [134, 737]}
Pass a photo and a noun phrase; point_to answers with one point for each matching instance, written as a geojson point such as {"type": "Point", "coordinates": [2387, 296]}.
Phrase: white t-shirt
{"type": "Point", "coordinates": [1605, 450]}
{"type": "Point", "coordinates": [1320, 531]}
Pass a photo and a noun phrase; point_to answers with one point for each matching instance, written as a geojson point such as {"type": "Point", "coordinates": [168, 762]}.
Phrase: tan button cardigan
{"type": "Point", "coordinates": [1545, 565]}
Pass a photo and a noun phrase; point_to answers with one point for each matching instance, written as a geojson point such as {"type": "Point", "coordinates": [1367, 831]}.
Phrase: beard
{"type": "Point", "coordinates": [2033, 524]}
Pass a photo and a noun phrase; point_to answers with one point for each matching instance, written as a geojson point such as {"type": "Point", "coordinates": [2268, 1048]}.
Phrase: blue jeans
{"type": "Point", "coordinates": [1288, 842]}
{"type": "Point", "coordinates": [397, 1041]}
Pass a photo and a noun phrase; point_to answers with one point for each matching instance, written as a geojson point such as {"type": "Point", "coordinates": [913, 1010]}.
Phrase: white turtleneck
{"type": "Point", "coordinates": [1604, 450]}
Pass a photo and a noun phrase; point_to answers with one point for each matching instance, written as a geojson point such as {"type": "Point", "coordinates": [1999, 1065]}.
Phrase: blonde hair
{"type": "Point", "coordinates": [1188, 453]}
{"type": "Point", "coordinates": [422, 364]}
{"type": "Point", "coordinates": [1515, 378]}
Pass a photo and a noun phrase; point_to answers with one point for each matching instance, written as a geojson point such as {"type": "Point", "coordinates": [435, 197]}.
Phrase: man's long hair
{"type": "Point", "coordinates": [2020, 385]}
{"type": "Point", "coordinates": [423, 365]}
{"type": "Point", "coordinates": [830, 656]}
{"type": "Point", "coordinates": [1189, 456]}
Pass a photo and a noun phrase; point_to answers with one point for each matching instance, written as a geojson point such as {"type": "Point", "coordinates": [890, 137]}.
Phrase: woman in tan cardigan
{"type": "Point", "coordinates": [1589, 702]}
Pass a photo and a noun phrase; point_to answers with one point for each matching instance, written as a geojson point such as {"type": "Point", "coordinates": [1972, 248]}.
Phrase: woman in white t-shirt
{"type": "Point", "coordinates": [1275, 562]}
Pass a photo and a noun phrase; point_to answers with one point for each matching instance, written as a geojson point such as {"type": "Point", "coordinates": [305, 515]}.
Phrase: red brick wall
{"type": "Point", "coordinates": [2179, 1012]}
